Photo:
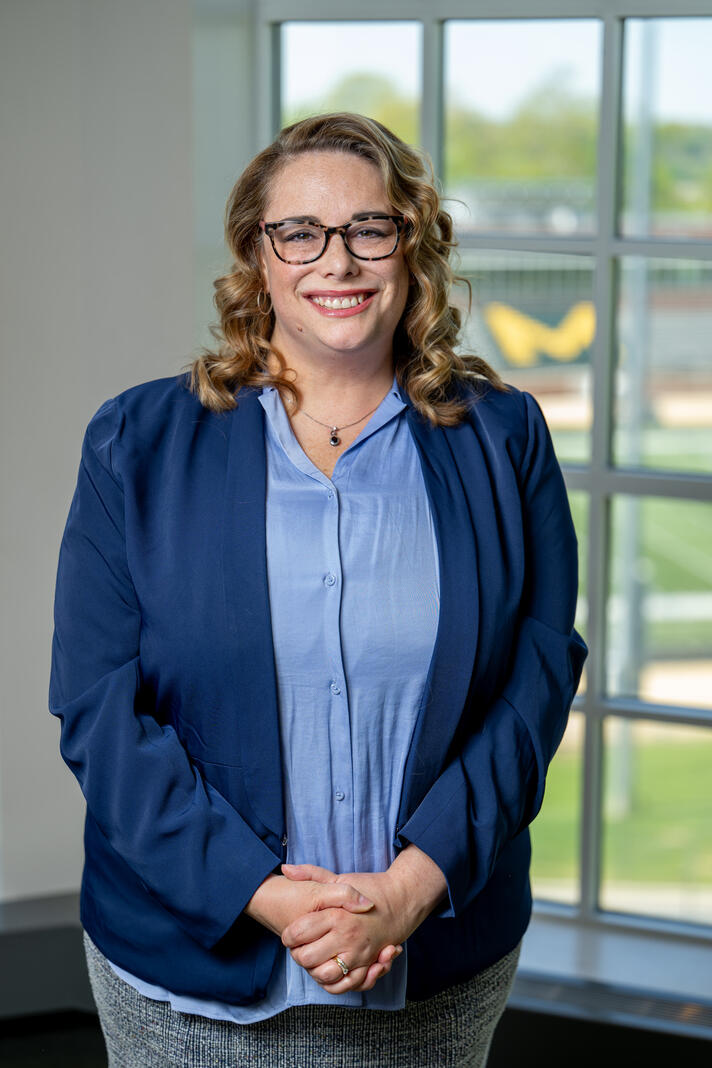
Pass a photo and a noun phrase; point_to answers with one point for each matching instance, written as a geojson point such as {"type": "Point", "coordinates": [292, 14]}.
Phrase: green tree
{"type": "Point", "coordinates": [374, 95]}
{"type": "Point", "coordinates": [551, 135]}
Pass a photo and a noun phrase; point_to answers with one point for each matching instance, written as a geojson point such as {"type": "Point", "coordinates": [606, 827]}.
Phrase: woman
{"type": "Point", "coordinates": [315, 605]}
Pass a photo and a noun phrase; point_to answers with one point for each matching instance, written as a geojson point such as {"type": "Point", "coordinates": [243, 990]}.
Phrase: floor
{"type": "Point", "coordinates": [73, 1040]}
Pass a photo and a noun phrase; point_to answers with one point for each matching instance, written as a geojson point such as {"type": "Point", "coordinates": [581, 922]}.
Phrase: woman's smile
{"type": "Point", "coordinates": [341, 303]}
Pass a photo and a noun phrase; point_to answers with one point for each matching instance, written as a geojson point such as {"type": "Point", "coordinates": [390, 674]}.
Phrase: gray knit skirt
{"type": "Point", "coordinates": [451, 1030]}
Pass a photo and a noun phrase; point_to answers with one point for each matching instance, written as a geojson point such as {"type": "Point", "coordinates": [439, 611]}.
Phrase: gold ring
{"type": "Point", "coordinates": [341, 964]}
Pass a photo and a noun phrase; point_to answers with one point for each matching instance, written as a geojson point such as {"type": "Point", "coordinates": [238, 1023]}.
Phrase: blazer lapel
{"type": "Point", "coordinates": [244, 552]}
{"type": "Point", "coordinates": [452, 663]}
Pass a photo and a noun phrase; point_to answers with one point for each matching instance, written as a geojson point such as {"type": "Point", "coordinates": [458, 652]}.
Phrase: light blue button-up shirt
{"type": "Point", "coordinates": [354, 597]}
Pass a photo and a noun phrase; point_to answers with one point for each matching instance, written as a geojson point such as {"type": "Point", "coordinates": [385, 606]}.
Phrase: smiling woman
{"type": "Point", "coordinates": [314, 646]}
{"type": "Point", "coordinates": [349, 167]}
{"type": "Point", "coordinates": [349, 303]}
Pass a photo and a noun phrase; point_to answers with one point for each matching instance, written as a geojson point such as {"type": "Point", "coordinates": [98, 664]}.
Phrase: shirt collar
{"type": "Point", "coordinates": [390, 407]}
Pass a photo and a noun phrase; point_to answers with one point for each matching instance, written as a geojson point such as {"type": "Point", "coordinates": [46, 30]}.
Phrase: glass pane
{"type": "Point", "coordinates": [369, 67]}
{"type": "Point", "coordinates": [533, 320]}
{"type": "Point", "coordinates": [664, 369]}
{"type": "Point", "coordinates": [660, 601]}
{"type": "Point", "coordinates": [555, 831]}
{"type": "Point", "coordinates": [657, 820]}
{"type": "Point", "coordinates": [668, 127]}
{"type": "Point", "coordinates": [521, 120]}
{"type": "Point", "coordinates": [578, 501]}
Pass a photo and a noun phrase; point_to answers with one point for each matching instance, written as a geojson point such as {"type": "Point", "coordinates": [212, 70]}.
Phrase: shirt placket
{"type": "Point", "coordinates": [341, 788]}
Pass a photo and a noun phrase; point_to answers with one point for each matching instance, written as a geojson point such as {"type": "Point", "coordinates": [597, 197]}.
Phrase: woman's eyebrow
{"type": "Point", "coordinates": [356, 217]}
{"type": "Point", "coordinates": [299, 218]}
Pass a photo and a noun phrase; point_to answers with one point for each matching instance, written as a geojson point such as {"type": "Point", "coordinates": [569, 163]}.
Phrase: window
{"type": "Point", "coordinates": [536, 118]}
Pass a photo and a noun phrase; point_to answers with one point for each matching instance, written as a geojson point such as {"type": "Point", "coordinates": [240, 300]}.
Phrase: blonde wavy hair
{"type": "Point", "coordinates": [427, 366]}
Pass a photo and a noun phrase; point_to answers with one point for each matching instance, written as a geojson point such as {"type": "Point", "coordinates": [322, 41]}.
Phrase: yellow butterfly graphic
{"type": "Point", "coordinates": [521, 338]}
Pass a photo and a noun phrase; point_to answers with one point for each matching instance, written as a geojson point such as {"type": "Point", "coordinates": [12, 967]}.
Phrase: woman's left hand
{"type": "Point", "coordinates": [404, 895]}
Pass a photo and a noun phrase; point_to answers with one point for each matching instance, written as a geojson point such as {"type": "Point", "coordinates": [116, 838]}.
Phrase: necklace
{"type": "Point", "coordinates": [334, 438]}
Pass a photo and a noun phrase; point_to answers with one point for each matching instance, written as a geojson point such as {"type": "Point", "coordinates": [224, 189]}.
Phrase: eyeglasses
{"type": "Point", "coordinates": [372, 238]}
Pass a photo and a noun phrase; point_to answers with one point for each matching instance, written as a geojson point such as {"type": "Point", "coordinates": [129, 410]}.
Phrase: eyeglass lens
{"type": "Point", "coordinates": [302, 242]}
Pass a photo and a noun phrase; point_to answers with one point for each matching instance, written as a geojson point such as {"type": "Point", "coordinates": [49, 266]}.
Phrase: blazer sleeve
{"type": "Point", "coordinates": [494, 786]}
{"type": "Point", "coordinates": [191, 849]}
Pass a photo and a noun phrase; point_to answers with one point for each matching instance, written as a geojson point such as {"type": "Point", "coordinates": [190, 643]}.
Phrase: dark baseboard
{"type": "Point", "coordinates": [43, 967]}
{"type": "Point", "coordinates": [56, 1040]}
{"type": "Point", "coordinates": [539, 1040]}
{"type": "Point", "coordinates": [43, 972]}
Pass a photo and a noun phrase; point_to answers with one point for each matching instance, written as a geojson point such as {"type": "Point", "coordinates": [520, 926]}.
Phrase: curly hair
{"type": "Point", "coordinates": [427, 366]}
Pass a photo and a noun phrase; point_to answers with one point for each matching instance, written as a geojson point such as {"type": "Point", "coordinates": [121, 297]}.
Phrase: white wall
{"type": "Point", "coordinates": [96, 294]}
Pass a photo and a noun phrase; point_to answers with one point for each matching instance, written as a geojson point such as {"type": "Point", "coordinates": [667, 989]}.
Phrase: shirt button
{"type": "Point", "coordinates": [284, 839]}
{"type": "Point", "coordinates": [329, 579]}
{"type": "Point", "coordinates": [340, 795]}
{"type": "Point", "coordinates": [336, 690]}
{"type": "Point", "coordinates": [330, 494]}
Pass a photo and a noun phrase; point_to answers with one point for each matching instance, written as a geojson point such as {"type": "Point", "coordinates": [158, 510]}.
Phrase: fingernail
{"type": "Point", "coordinates": [364, 900]}
{"type": "Point", "coordinates": [399, 950]}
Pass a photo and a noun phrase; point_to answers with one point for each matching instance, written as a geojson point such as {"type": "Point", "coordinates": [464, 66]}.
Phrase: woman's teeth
{"type": "Point", "coordinates": [340, 302]}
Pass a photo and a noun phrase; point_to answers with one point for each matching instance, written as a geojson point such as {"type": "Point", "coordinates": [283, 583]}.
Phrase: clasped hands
{"type": "Point", "coordinates": [359, 918]}
{"type": "Point", "coordinates": [364, 917]}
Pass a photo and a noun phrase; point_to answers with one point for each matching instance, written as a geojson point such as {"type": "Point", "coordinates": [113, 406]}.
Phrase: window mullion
{"type": "Point", "coordinates": [268, 81]}
{"type": "Point", "coordinates": [608, 185]}
{"type": "Point", "coordinates": [432, 130]}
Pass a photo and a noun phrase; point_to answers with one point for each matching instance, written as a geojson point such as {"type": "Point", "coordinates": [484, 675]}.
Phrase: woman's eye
{"type": "Point", "coordinates": [297, 236]}
{"type": "Point", "coordinates": [368, 232]}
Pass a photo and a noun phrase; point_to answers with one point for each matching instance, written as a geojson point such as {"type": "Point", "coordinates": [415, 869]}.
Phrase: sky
{"type": "Point", "coordinates": [491, 65]}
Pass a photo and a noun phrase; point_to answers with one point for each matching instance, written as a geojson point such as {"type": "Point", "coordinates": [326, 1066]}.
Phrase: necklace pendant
{"type": "Point", "coordinates": [334, 439]}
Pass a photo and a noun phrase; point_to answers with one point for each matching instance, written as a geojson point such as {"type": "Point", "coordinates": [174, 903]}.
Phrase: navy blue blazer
{"type": "Point", "coordinates": [163, 679]}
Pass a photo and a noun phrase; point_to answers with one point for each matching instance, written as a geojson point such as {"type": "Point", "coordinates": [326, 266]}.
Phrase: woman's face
{"type": "Point", "coordinates": [331, 188]}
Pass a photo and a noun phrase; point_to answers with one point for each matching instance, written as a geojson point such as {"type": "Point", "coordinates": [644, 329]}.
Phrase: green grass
{"type": "Point", "coordinates": [666, 836]}
{"type": "Point", "coordinates": [676, 540]}
{"type": "Point", "coordinates": [683, 638]}
{"type": "Point", "coordinates": [662, 450]}
{"type": "Point", "coordinates": [555, 831]}
{"type": "Point", "coordinates": [674, 555]}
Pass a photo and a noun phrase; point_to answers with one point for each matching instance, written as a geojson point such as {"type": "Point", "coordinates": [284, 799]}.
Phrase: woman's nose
{"type": "Point", "coordinates": [336, 258]}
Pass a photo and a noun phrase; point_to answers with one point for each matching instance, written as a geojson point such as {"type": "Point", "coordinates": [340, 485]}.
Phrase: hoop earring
{"type": "Point", "coordinates": [262, 310]}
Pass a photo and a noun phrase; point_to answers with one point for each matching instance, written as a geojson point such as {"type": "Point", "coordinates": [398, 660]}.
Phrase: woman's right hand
{"type": "Point", "coordinates": [279, 901]}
